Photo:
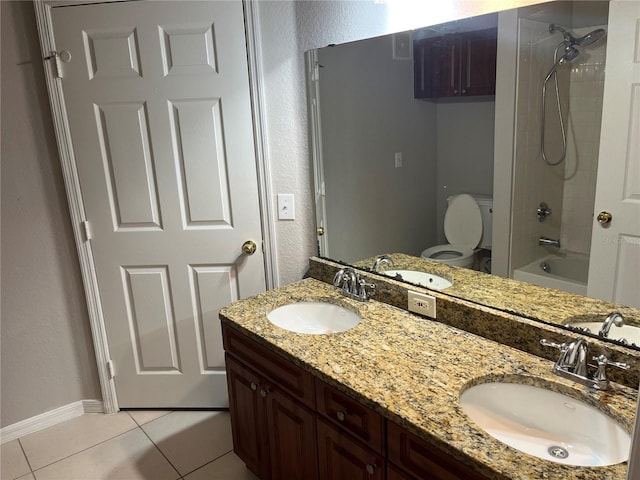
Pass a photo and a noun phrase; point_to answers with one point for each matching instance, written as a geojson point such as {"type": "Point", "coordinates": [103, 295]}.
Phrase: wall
{"type": "Point", "coordinates": [288, 29]}
{"type": "Point", "coordinates": [47, 358]}
{"type": "Point", "coordinates": [581, 166]}
{"type": "Point", "coordinates": [369, 113]}
{"type": "Point", "coordinates": [47, 353]}
{"type": "Point", "coordinates": [568, 189]}
{"type": "Point", "coordinates": [465, 150]}
{"type": "Point", "coordinates": [534, 181]}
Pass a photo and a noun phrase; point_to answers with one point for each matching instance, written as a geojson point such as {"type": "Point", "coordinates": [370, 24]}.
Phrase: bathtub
{"type": "Point", "coordinates": [568, 273]}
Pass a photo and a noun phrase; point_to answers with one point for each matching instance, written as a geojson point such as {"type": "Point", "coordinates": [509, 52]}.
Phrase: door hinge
{"type": "Point", "coordinates": [86, 230]}
{"type": "Point", "coordinates": [111, 369]}
{"type": "Point", "coordinates": [57, 67]}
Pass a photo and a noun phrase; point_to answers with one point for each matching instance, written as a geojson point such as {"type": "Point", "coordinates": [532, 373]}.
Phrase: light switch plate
{"type": "Point", "coordinates": [286, 206]}
{"type": "Point", "coordinates": [422, 304]}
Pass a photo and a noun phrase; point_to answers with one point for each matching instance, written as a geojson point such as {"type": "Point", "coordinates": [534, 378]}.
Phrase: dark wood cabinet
{"type": "Point", "coordinates": [456, 65]}
{"type": "Point", "coordinates": [350, 416]}
{"type": "Point", "coordinates": [248, 418]}
{"type": "Point", "coordinates": [292, 433]}
{"type": "Point", "coordinates": [274, 431]}
{"type": "Point", "coordinates": [342, 458]}
{"type": "Point", "coordinates": [287, 425]}
{"type": "Point", "coordinates": [419, 459]}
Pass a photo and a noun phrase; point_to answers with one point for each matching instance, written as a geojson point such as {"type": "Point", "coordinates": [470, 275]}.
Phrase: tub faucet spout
{"type": "Point", "coordinates": [549, 242]}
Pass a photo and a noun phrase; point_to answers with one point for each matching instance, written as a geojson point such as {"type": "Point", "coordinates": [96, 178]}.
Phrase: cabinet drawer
{"type": "Point", "coordinates": [342, 458]}
{"type": "Point", "coordinates": [423, 460]}
{"type": "Point", "coordinates": [289, 377]}
{"type": "Point", "coordinates": [350, 416]}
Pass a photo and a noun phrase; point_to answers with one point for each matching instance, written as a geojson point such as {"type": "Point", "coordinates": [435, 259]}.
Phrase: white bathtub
{"type": "Point", "coordinates": [568, 273]}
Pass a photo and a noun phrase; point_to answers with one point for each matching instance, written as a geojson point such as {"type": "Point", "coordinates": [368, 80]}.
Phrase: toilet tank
{"type": "Point", "coordinates": [485, 202]}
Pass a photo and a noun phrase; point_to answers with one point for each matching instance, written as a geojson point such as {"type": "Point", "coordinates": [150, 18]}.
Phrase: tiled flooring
{"type": "Point", "coordinates": [133, 445]}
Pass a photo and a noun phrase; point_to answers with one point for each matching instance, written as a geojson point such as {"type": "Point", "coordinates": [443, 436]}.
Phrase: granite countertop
{"type": "Point", "coordinates": [412, 370]}
{"type": "Point", "coordinates": [553, 306]}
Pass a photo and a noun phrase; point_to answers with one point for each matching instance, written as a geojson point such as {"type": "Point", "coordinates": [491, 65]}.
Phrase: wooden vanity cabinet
{"type": "Point", "coordinates": [289, 426]}
{"type": "Point", "coordinates": [456, 65]}
{"type": "Point", "coordinates": [272, 407]}
{"type": "Point", "coordinates": [414, 458]}
{"type": "Point", "coordinates": [351, 437]}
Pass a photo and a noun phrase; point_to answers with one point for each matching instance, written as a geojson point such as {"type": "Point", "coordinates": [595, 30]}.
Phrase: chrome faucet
{"type": "Point", "coordinates": [549, 242]}
{"type": "Point", "coordinates": [614, 318]}
{"type": "Point", "coordinates": [352, 285]}
{"type": "Point", "coordinates": [572, 364]}
{"type": "Point", "coordinates": [386, 259]}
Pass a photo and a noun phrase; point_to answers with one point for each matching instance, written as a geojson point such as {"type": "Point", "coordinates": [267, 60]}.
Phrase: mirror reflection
{"type": "Point", "coordinates": [472, 144]}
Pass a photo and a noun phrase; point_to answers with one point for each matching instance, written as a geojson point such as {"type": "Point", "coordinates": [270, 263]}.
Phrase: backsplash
{"type": "Point", "coordinates": [497, 325]}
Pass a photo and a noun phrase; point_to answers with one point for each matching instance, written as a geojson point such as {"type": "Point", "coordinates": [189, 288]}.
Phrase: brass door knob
{"type": "Point", "coordinates": [249, 247]}
{"type": "Point", "coordinates": [320, 231]}
{"type": "Point", "coordinates": [604, 218]}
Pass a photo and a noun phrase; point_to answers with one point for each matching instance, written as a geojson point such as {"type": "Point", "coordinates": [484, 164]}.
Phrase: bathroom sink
{"type": "Point", "coordinates": [546, 424]}
{"type": "Point", "coordinates": [314, 317]}
{"type": "Point", "coordinates": [628, 332]}
{"type": "Point", "coordinates": [421, 278]}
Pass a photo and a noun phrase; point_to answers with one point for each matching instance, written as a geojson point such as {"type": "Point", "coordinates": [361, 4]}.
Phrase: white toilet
{"type": "Point", "coordinates": [467, 226]}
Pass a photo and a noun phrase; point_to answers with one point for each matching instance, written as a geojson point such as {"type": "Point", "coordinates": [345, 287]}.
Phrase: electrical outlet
{"type": "Point", "coordinates": [422, 304]}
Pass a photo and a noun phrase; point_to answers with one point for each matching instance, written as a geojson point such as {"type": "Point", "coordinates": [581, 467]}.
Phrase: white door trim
{"type": "Point", "coordinates": [74, 195]}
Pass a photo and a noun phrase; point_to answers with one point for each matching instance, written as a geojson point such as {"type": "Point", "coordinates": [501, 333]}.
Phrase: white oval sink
{"type": "Point", "coordinates": [421, 278]}
{"type": "Point", "coordinates": [546, 424]}
{"type": "Point", "coordinates": [314, 318]}
{"type": "Point", "coordinates": [629, 332]}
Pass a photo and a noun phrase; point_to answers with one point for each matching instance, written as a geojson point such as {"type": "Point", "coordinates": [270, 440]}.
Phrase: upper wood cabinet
{"type": "Point", "coordinates": [456, 65]}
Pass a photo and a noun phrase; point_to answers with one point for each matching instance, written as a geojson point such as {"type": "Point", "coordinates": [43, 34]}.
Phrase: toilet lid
{"type": "Point", "coordinates": [463, 222]}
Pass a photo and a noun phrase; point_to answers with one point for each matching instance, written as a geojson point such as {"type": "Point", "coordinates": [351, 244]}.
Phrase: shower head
{"type": "Point", "coordinates": [591, 37]}
{"type": "Point", "coordinates": [584, 41]}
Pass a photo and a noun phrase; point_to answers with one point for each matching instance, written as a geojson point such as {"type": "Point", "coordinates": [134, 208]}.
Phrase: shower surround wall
{"type": "Point", "coordinates": [569, 188]}
{"type": "Point", "coordinates": [534, 181]}
{"type": "Point", "coordinates": [585, 107]}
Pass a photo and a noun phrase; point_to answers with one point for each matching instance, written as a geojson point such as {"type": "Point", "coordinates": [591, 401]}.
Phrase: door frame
{"type": "Point", "coordinates": [72, 184]}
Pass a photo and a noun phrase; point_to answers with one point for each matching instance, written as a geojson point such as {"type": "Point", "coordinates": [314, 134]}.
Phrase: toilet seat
{"type": "Point", "coordinates": [463, 229]}
{"type": "Point", "coordinates": [463, 222]}
{"type": "Point", "coordinates": [450, 254]}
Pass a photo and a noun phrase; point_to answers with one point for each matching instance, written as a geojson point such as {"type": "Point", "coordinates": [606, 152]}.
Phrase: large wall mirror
{"type": "Point", "coordinates": [404, 124]}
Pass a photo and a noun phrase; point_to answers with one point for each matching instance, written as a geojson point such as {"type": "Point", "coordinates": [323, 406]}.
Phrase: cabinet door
{"type": "Point", "coordinates": [342, 458]}
{"type": "Point", "coordinates": [478, 62]}
{"type": "Point", "coordinates": [292, 438]}
{"type": "Point", "coordinates": [246, 406]}
{"type": "Point", "coordinates": [436, 67]}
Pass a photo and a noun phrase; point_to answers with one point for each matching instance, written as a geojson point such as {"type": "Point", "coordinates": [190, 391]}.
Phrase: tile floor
{"type": "Point", "coordinates": [130, 445]}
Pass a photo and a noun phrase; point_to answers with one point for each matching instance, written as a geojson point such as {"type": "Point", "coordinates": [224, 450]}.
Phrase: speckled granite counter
{"type": "Point", "coordinates": [495, 324]}
{"type": "Point", "coordinates": [525, 299]}
{"type": "Point", "coordinates": [412, 370]}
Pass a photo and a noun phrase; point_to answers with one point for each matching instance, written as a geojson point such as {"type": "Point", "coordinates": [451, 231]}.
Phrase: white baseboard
{"type": "Point", "coordinates": [49, 419]}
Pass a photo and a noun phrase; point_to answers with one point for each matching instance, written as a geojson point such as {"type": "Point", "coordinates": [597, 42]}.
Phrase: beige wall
{"type": "Point", "coordinates": [47, 354]}
{"type": "Point", "coordinates": [372, 206]}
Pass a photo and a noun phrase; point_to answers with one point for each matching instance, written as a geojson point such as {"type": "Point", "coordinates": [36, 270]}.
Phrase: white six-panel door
{"type": "Point", "coordinates": [614, 270]}
{"type": "Point", "coordinates": [157, 97]}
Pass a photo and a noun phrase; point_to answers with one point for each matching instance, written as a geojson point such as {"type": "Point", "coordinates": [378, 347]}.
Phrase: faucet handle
{"type": "Point", "coordinates": [600, 377]}
{"type": "Point", "coordinates": [363, 284]}
{"type": "Point", "coordinates": [604, 361]}
{"type": "Point", "coordinates": [546, 343]}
